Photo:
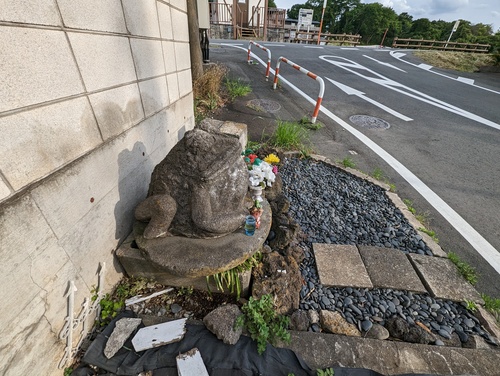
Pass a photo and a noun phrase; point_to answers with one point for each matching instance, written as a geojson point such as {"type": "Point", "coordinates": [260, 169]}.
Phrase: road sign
{"type": "Point", "coordinates": [305, 17]}
{"type": "Point", "coordinates": [455, 27]}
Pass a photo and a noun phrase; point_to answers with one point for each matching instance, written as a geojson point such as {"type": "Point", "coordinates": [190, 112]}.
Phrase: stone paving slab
{"type": "Point", "coordinates": [340, 265]}
{"type": "Point", "coordinates": [321, 350]}
{"type": "Point", "coordinates": [390, 268]}
{"type": "Point", "coordinates": [443, 279]}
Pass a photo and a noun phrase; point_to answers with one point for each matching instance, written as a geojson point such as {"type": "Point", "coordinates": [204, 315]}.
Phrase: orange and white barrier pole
{"type": "Point", "coordinates": [268, 56]}
{"type": "Point", "coordinates": [309, 74]}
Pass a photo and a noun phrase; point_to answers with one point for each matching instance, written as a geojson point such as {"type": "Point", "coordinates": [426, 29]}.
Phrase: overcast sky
{"type": "Point", "coordinates": [475, 11]}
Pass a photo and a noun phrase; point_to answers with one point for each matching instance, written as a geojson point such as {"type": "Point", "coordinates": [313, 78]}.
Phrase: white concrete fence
{"type": "Point", "coordinates": [93, 94]}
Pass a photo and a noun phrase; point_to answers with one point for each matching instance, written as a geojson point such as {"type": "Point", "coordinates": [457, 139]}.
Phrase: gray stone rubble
{"type": "Point", "coordinates": [333, 207]}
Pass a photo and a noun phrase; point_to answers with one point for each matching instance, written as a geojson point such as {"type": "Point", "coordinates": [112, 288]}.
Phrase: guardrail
{"type": "Point", "coordinates": [341, 39]}
{"type": "Point", "coordinates": [268, 56]}
{"type": "Point", "coordinates": [309, 74]}
{"type": "Point", "coordinates": [440, 45]}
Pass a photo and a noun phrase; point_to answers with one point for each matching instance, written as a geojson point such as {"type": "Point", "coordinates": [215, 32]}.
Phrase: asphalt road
{"type": "Point", "coordinates": [441, 149]}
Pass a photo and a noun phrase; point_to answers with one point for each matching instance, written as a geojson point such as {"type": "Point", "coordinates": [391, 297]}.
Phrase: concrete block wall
{"type": "Point", "coordinates": [93, 94]}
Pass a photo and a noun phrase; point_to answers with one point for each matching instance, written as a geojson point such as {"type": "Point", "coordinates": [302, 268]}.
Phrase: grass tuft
{"type": "Point", "coordinates": [348, 162]}
{"type": "Point", "coordinates": [492, 305]}
{"type": "Point", "coordinates": [289, 135]}
{"type": "Point", "coordinates": [467, 271]}
{"type": "Point", "coordinates": [236, 88]}
{"type": "Point", "coordinates": [460, 61]}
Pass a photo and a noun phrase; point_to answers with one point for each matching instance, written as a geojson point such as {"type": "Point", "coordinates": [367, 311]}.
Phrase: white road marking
{"type": "Point", "coordinates": [274, 45]}
{"type": "Point", "coordinates": [350, 91]}
{"type": "Point", "coordinates": [425, 66]}
{"type": "Point", "coordinates": [314, 47]}
{"type": "Point", "coordinates": [349, 48]}
{"type": "Point", "coordinates": [346, 64]}
{"type": "Point", "coordinates": [383, 63]}
{"type": "Point", "coordinates": [468, 81]}
{"type": "Point", "coordinates": [399, 55]}
{"type": "Point", "coordinates": [480, 244]}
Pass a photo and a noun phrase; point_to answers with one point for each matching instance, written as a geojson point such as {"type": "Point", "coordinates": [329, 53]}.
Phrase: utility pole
{"type": "Point", "coordinates": [455, 27]}
{"type": "Point", "coordinates": [321, 22]}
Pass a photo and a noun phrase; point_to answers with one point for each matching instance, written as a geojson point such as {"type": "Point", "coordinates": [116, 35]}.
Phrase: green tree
{"type": "Point", "coordinates": [371, 21]}
{"type": "Point", "coordinates": [406, 21]}
{"type": "Point", "coordinates": [271, 4]}
{"type": "Point", "coordinates": [293, 12]}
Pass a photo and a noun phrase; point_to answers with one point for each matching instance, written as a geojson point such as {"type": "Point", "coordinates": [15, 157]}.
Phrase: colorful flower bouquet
{"type": "Point", "coordinates": [261, 173]}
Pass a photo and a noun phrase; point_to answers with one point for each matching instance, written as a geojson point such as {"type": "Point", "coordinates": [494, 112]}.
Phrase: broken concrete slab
{"type": "Point", "coordinates": [378, 261]}
{"type": "Point", "coordinates": [190, 363]}
{"type": "Point", "coordinates": [159, 335]}
{"type": "Point", "coordinates": [139, 298]}
{"type": "Point", "coordinates": [443, 280]}
{"type": "Point", "coordinates": [340, 265]}
{"type": "Point", "coordinates": [221, 322]}
{"type": "Point", "coordinates": [123, 329]}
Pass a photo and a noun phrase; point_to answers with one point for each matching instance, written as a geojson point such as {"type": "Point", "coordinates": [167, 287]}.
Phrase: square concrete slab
{"type": "Point", "coordinates": [390, 268]}
{"type": "Point", "coordinates": [443, 279]}
{"type": "Point", "coordinates": [340, 265]}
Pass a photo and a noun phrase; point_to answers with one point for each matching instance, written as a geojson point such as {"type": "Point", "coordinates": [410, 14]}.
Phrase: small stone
{"type": "Point", "coordinates": [377, 331]}
{"type": "Point", "coordinates": [123, 329]}
{"type": "Point", "coordinates": [444, 333]}
{"type": "Point", "coordinates": [313, 316]}
{"type": "Point", "coordinates": [175, 308]}
{"type": "Point", "coordinates": [333, 322]}
{"type": "Point", "coordinates": [366, 325]}
{"type": "Point", "coordinates": [469, 323]}
{"type": "Point", "coordinates": [299, 320]}
{"type": "Point", "coordinates": [438, 342]}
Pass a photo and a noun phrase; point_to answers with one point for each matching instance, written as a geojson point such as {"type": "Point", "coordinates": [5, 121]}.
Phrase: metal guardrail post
{"type": "Point", "coordinates": [268, 56]}
{"type": "Point", "coordinates": [309, 74]}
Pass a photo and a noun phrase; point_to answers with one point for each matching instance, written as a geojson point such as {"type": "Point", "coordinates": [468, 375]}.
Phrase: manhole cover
{"type": "Point", "coordinates": [264, 105]}
{"type": "Point", "coordinates": [369, 122]}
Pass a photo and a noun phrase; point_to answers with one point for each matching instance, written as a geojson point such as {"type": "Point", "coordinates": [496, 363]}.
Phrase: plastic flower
{"type": "Point", "coordinates": [261, 175]}
{"type": "Point", "coordinates": [252, 158]}
{"type": "Point", "coordinates": [272, 159]}
{"type": "Point", "coordinates": [275, 170]}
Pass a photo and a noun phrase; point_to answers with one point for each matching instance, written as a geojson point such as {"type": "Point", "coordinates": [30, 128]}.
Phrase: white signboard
{"type": "Point", "coordinates": [305, 17]}
{"type": "Point", "coordinates": [456, 26]}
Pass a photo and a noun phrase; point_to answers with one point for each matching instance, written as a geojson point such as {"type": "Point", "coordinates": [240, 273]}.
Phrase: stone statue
{"type": "Point", "coordinates": [198, 190]}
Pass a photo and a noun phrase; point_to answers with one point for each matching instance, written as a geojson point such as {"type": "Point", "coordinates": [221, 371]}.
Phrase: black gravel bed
{"type": "Point", "coordinates": [332, 206]}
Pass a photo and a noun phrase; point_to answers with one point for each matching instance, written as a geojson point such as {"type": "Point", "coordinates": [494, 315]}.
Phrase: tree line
{"type": "Point", "coordinates": [372, 20]}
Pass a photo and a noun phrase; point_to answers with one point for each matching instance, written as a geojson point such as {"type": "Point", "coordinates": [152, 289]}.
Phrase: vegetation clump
{"type": "Point", "coordinates": [262, 323]}
{"type": "Point", "coordinates": [289, 135]}
{"type": "Point", "coordinates": [467, 271]}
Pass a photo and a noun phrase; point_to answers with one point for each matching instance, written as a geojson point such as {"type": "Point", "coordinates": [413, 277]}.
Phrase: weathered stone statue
{"type": "Point", "coordinates": [198, 190]}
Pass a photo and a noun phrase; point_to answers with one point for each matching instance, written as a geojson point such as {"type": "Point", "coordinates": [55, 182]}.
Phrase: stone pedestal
{"type": "Point", "coordinates": [181, 261]}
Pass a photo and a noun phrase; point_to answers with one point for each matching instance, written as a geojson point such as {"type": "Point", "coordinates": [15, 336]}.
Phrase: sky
{"type": "Point", "coordinates": [475, 11]}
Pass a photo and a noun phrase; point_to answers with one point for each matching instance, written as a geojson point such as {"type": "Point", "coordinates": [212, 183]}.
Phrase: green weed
{"type": "Point", "coordinates": [431, 233]}
{"type": "Point", "coordinates": [325, 372]}
{"type": "Point", "coordinates": [253, 145]}
{"type": "Point", "coordinates": [231, 278]}
{"type": "Point", "coordinates": [378, 174]}
{"type": "Point", "coordinates": [348, 162]}
{"type": "Point", "coordinates": [470, 305]}
{"type": "Point", "coordinates": [306, 122]}
{"type": "Point", "coordinates": [409, 205]}
{"type": "Point", "coordinates": [236, 88]}
{"type": "Point", "coordinates": [467, 271]}
{"type": "Point", "coordinates": [289, 136]}
{"type": "Point", "coordinates": [263, 324]}
{"type": "Point", "coordinates": [492, 305]}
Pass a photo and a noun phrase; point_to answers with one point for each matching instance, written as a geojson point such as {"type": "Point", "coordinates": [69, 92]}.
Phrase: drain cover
{"type": "Point", "coordinates": [264, 105]}
{"type": "Point", "coordinates": [369, 122]}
